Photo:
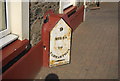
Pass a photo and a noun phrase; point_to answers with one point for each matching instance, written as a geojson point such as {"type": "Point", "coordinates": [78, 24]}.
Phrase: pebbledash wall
{"type": "Point", "coordinates": [37, 10]}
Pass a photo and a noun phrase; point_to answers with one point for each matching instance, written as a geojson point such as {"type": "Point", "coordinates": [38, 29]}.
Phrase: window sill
{"type": "Point", "coordinates": [7, 40]}
{"type": "Point", "coordinates": [9, 52]}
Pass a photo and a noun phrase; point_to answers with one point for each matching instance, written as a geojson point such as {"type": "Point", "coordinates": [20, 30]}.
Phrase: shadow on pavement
{"type": "Point", "coordinates": [52, 77]}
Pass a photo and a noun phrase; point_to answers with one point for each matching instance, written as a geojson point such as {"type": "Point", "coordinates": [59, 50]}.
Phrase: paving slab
{"type": "Point", "coordinates": [94, 53]}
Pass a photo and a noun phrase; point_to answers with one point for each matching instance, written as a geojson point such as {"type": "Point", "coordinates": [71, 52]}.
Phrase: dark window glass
{"type": "Point", "coordinates": [3, 22]}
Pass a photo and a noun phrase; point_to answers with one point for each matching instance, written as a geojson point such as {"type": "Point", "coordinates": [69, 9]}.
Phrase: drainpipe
{"type": "Point", "coordinates": [84, 9]}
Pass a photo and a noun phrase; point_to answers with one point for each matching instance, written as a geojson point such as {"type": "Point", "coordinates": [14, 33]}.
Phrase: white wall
{"type": "Point", "coordinates": [25, 20]}
{"type": "Point", "coordinates": [19, 19]}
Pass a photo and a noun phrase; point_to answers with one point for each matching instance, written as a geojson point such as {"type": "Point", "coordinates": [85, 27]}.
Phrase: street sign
{"type": "Point", "coordinates": [60, 41]}
{"type": "Point", "coordinates": [57, 34]}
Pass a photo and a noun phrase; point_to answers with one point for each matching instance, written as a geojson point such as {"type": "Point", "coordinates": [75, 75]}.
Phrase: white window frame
{"type": "Point", "coordinates": [19, 18]}
{"type": "Point", "coordinates": [7, 30]}
{"type": "Point", "coordinates": [17, 13]}
{"type": "Point", "coordinates": [17, 24]}
{"type": "Point", "coordinates": [66, 3]}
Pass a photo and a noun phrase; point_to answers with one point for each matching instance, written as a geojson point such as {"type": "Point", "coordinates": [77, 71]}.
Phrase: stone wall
{"type": "Point", "coordinates": [79, 4]}
{"type": "Point", "coordinates": [37, 10]}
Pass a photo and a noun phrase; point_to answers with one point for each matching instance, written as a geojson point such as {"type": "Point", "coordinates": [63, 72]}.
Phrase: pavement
{"type": "Point", "coordinates": [94, 53]}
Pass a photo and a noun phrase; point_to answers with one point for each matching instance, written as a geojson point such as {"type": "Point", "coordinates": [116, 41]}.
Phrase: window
{"type": "Point", "coordinates": [5, 36]}
{"type": "Point", "coordinates": [4, 28]}
{"type": "Point", "coordinates": [65, 4]}
{"type": "Point", "coordinates": [14, 21]}
{"type": "Point", "coordinates": [3, 16]}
